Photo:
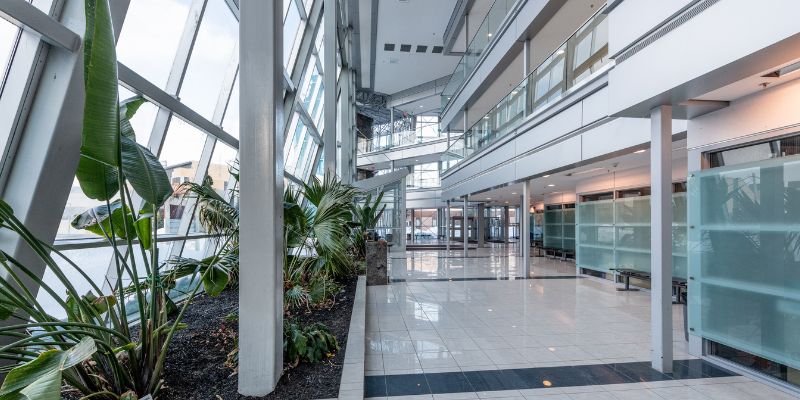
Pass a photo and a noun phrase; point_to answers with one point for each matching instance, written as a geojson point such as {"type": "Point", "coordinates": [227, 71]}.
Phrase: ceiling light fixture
{"type": "Point", "coordinates": [489, 34]}
{"type": "Point", "coordinates": [783, 71]}
{"type": "Point", "coordinates": [588, 171]}
{"type": "Point", "coordinates": [546, 176]}
{"type": "Point", "coordinates": [513, 192]}
{"type": "Point", "coordinates": [550, 185]}
{"type": "Point", "coordinates": [639, 151]}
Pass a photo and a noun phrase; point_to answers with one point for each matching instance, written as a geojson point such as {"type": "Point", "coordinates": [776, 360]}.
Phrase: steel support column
{"type": "Point", "coordinates": [329, 78]}
{"type": "Point", "coordinates": [661, 237]}
{"type": "Point", "coordinates": [261, 197]}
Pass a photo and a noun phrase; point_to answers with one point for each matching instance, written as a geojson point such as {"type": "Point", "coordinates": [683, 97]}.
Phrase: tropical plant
{"type": "Point", "coordinates": [98, 349]}
{"type": "Point", "coordinates": [317, 237]}
{"type": "Point", "coordinates": [311, 343]}
{"type": "Point", "coordinates": [367, 215]}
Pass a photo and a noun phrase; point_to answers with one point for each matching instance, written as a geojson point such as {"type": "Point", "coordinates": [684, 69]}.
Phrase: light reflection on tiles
{"type": "Point", "coordinates": [431, 327]}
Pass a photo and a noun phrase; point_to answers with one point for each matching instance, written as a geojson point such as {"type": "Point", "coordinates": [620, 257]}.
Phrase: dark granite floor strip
{"type": "Point", "coordinates": [485, 278]}
{"type": "Point", "coordinates": [534, 378]}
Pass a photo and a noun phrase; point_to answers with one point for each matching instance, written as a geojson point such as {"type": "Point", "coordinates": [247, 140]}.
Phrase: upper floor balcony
{"type": "Point", "coordinates": [582, 55]}
{"type": "Point", "coordinates": [481, 39]}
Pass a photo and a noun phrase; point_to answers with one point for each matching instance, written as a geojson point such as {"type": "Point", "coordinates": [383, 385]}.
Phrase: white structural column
{"type": "Point", "coordinates": [261, 197]}
{"type": "Point", "coordinates": [447, 227]}
{"type": "Point", "coordinates": [347, 149]}
{"type": "Point", "coordinates": [413, 226]}
{"type": "Point", "coordinates": [524, 226]}
{"type": "Point", "coordinates": [505, 224]}
{"type": "Point", "coordinates": [481, 224]}
{"type": "Point", "coordinates": [465, 225]}
{"type": "Point", "coordinates": [661, 237]}
{"type": "Point", "coordinates": [329, 78]}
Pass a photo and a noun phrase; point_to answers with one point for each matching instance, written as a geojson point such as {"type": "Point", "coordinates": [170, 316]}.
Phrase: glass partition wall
{"type": "Point", "coordinates": [615, 232]}
{"type": "Point", "coordinates": [559, 226]}
{"type": "Point", "coordinates": [578, 58]}
{"type": "Point", "coordinates": [744, 257]}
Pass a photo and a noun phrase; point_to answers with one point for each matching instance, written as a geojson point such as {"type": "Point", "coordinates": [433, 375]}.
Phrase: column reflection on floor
{"type": "Point", "coordinates": [467, 328]}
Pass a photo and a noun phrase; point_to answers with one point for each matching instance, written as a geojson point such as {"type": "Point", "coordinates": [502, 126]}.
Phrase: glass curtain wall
{"type": "Point", "coordinates": [559, 227]}
{"type": "Point", "coordinates": [186, 50]}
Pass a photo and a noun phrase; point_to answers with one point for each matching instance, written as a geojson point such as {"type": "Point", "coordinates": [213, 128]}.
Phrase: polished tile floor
{"type": "Point", "coordinates": [469, 327]}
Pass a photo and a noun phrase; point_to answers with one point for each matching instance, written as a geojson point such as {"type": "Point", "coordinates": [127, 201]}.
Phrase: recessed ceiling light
{"type": "Point", "coordinates": [420, 106]}
{"type": "Point", "coordinates": [546, 176]}
{"type": "Point", "coordinates": [513, 192]}
{"type": "Point", "coordinates": [489, 34]}
{"type": "Point", "coordinates": [550, 185]}
{"type": "Point", "coordinates": [639, 151]}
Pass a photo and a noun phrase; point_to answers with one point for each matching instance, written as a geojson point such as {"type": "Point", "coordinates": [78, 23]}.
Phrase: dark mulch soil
{"type": "Point", "coordinates": [196, 362]}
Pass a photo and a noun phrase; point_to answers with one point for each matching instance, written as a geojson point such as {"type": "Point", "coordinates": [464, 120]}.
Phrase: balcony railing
{"type": "Point", "coordinates": [579, 57]}
{"type": "Point", "coordinates": [486, 32]}
{"type": "Point", "coordinates": [397, 139]}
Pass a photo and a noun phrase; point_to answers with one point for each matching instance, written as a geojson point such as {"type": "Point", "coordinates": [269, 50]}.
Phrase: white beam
{"type": "Point", "coordinates": [661, 237]}
{"type": "Point", "coordinates": [261, 197]}
{"type": "Point", "coordinates": [22, 14]}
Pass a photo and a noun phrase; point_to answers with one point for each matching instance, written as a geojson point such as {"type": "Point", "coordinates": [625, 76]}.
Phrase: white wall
{"type": "Point", "coordinates": [628, 179]}
{"type": "Point", "coordinates": [718, 37]}
{"type": "Point", "coordinates": [633, 18]}
{"type": "Point", "coordinates": [754, 117]}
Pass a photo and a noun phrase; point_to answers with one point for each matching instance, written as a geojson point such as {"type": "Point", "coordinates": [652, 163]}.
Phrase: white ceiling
{"type": "Point", "coordinates": [752, 84]}
{"type": "Point", "coordinates": [414, 22]}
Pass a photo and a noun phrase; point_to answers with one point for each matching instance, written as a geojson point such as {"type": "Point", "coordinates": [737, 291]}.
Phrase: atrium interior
{"type": "Point", "coordinates": [416, 199]}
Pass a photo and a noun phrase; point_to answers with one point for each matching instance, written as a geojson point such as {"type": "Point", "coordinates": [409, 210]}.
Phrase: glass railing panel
{"type": "Point", "coordinates": [483, 35]}
{"type": "Point", "coordinates": [580, 56]}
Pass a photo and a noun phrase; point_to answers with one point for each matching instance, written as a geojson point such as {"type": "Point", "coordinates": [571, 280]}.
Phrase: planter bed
{"type": "Point", "coordinates": [196, 363]}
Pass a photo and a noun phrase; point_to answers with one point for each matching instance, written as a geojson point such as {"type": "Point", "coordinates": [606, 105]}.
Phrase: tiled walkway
{"type": "Point", "coordinates": [438, 332]}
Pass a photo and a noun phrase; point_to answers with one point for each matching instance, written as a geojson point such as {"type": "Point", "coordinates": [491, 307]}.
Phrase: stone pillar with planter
{"type": "Point", "coordinates": [377, 257]}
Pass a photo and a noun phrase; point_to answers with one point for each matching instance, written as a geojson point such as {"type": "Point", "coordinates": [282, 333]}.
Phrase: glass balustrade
{"type": "Point", "coordinates": [578, 58]}
{"type": "Point", "coordinates": [483, 36]}
{"type": "Point", "coordinates": [422, 129]}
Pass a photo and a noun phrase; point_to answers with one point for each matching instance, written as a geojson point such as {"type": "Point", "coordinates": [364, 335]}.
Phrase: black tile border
{"type": "Point", "coordinates": [535, 378]}
{"type": "Point", "coordinates": [485, 278]}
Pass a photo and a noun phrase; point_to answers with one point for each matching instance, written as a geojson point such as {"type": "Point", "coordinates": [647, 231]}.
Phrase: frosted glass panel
{"type": "Point", "coordinates": [624, 228]}
{"type": "Point", "coordinates": [596, 212]}
{"type": "Point", "coordinates": [744, 257]}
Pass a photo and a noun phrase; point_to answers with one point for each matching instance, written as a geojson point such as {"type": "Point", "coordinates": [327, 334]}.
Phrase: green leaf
{"type": "Point", "coordinates": [40, 379]}
{"type": "Point", "coordinates": [215, 279]}
{"type": "Point", "coordinates": [100, 219]}
{"type": "Point", "coordinates": [101, 138]}
{"type": "Point", "coordinates": [127, 109]}
{"type": "Point", "coordinates": [98, 181]}
{"type": "Point", "coordinates": [144, 226]}
{"type": "Point", "coordinates": [145, 173]}
{"type": "Point", "coordinates": [7, 308]}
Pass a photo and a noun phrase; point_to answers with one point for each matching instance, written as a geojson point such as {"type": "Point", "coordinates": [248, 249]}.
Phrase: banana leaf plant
{"type": "Point", "coordinates": [99, 350]}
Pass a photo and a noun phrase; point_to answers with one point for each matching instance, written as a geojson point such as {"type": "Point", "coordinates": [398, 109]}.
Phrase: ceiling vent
{"type": "Point", "coordinates": [406, 48]}
{"type": "Point", "coordinates": [388, 47]}
{"type": "Point", "coordinates": [437, 49]}
{"type": "Point", "coordinates": [422, 49]}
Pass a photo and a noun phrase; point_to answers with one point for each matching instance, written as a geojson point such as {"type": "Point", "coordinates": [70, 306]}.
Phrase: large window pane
{"type": "Point", "coordinates": [93, 262]}
{"type": "Point", "coordinates": [180, 154]}
{"type": "Point", "coordinates": [150, 37]}
{"type": "Point", "coordinates": [219, 171]}
{"type": "Point", "coordinates": [211, 58]}
{"type": "Point", "coordinates": [8, 40]}
{"type": "Point", "coordinates": [292, 34]}
{"type": "Point", "coordinates": [230, 123]}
